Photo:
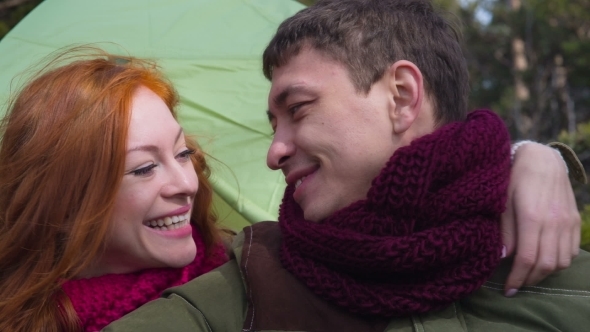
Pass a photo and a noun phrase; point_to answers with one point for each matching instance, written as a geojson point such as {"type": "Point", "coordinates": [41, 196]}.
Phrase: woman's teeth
{"type": "Point", "coordinates": [169, 223]}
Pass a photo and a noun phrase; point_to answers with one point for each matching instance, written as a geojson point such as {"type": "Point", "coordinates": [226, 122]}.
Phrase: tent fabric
{"type": "Point", "coordinates": [210, 49]}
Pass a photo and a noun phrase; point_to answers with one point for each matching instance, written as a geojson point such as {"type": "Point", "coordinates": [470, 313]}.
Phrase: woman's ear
{"type": "Point", "coordinates": [407, 90]}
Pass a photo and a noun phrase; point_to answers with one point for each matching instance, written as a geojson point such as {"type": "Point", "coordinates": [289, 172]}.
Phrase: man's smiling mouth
{"type": "Point", "coordinates": [298, 182]}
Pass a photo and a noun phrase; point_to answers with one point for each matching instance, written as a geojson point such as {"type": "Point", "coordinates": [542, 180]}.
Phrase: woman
{"type": "Point", "coordinates": [104, 201]}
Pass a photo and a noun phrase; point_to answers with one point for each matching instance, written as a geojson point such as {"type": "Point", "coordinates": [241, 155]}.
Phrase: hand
{"type": "Point", "coordinates": [541, 221]}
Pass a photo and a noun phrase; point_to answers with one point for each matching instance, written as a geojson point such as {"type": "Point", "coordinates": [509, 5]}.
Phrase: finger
{"type": "Point", "coordinates": [577, 239]}
{"type": "Point", "coordinates": [525, 258]}
{"type": "Point", "coordinates": [576, 236]}
{"type": "Point", "coordinates": [574, 221]}
{"type": "Point", "coordinates": [546, 261]}
{"type": "Point", "coordinates": [508, 228]}
{"type": "Point", "coordinates": [565, 249]}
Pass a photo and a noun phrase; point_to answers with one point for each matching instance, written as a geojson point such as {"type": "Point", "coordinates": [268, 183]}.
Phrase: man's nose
{"type": "Point", "coordinates": [280, 150]}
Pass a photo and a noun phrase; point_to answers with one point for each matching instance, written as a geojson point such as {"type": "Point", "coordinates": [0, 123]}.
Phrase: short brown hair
{"type": "Point", "coordinates": [367, 36]}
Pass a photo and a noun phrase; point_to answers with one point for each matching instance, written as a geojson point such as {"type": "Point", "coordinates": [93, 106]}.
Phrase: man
{"type": "Point", "coordinates": [390, 218]}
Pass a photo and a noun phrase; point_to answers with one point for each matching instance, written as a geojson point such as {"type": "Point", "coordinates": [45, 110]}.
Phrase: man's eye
{"type": "Point", "coordinates": [186, 154]}
{"type": "Point", "coordinates": [294, 108]}
{"type": "Point", "coordinates": [147, 170]}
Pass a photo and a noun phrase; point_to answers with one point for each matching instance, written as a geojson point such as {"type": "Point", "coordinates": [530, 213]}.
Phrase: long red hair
{"type": "Point", "coordinates": [62, 159]}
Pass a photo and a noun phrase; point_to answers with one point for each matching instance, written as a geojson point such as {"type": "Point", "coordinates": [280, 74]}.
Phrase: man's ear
{"type": "Point", "coordinates": [407, 90]}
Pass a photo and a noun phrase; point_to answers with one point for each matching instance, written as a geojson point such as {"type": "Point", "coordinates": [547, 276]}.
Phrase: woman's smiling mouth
{"type": "Point", "coordinates": [169, 223]}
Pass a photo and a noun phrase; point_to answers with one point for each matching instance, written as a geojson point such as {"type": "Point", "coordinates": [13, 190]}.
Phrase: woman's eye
{"type": "Point", "coordinates": [185, 155]}
{"type": "Point", "coordinates": [147, 170]}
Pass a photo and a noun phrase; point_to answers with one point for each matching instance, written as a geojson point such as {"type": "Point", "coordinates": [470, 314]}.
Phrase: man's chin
{"type": "Point", "coordinates": [313, 215]}
{"type": "Point", "coordinates": [317, 208]}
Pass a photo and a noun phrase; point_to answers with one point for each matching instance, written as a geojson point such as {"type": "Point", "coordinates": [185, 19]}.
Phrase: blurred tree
{"type": "Point", "coordinates": [12, 11]}
{"type": "Point", "coordinates": [579, 140]}
{"type": "Point", "coordinates": [530, 64]}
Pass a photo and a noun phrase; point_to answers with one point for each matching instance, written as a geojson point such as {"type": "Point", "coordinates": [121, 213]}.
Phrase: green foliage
{"type": "Point", "coordinates": [556, 39]}
{"type": "Point", "coordinates": [579, 140]}
{"type": "Point", "coordinates": [11, 16]}
{"type": "Point", "coordinates": [3, 29]}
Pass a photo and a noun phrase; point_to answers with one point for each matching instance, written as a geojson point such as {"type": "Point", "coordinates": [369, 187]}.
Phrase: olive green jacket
{"type": "Point", "coordinates": [252, 292]}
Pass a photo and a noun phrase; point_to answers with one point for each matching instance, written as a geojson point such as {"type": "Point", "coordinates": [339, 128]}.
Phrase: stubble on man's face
{"type": "Point", "coordinates": [330, 141]}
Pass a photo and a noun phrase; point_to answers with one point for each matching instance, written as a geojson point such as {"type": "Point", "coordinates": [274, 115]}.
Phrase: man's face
{"type": "Point", "coordinates": [330, 141]}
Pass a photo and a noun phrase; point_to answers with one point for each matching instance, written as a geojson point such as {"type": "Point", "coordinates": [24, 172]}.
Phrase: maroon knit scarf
{"type": "Point", "coordinates": [101, 300]}
{"type": "Point", "coordinates": [427, 234]}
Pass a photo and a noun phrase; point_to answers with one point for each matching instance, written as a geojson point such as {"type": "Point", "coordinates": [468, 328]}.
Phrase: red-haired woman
{"type": "Point", "coordinates": [104, 202]}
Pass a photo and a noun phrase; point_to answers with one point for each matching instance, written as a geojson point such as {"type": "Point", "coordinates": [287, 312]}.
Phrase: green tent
{"type": "Point", "coordinates": [211, 49]}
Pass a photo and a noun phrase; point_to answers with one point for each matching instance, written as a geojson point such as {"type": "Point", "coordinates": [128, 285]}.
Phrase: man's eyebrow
{"type": "Point", "coordinates": [152, 148]}
{"type": "Point", "coordinates": [281, 98]}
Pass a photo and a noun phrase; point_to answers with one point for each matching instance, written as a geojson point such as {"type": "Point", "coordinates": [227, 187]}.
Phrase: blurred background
{"type": "Point", "coordinates": [529, 61]}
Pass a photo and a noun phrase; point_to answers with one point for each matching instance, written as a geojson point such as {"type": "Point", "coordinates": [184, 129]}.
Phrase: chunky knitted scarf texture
{"type": "Point", "coordinates": [426, 235]}
{"type": "Point", "coordinates": [101, 300]}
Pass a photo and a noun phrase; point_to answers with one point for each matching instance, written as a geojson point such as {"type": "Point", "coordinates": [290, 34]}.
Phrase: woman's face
{"type": "Point", "coordinates": [150, 222]}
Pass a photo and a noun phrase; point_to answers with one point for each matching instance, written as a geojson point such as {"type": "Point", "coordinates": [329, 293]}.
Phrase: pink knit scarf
{"type": "Point", "coordinates": [101, 300]}
{"type": "Point", "coordinates": [427, 234]}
